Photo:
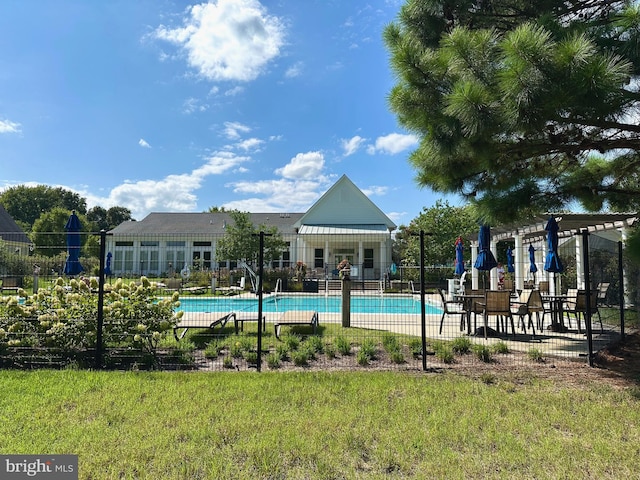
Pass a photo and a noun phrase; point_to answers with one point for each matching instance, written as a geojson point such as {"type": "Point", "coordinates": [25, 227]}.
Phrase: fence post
{"type": "Point", "coordinates": [346, 300]}
{"type": "Point", "coordinates": [423, 321]}
{"type": "Point", "coordinates": [587, 292]}
{"type": "Point", "coordinates": [621, 287]}
{"type": "Point", "coordinates": [103, 248]}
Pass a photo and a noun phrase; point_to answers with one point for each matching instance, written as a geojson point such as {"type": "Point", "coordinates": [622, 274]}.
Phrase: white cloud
{"type": "Point", "coordinates": [173, 193]}
{"type": "Point", "coordinates": [294, 70]}
{"type": "Point", "coordinates": [232, 130]}
{"type": "Point", "coordinates": [250, 144]}
{"type": "Point", "coordinates": [232, 92]}
{"type": "Point", "coordinates": [352, 145]}
{"type": "Point", "coordinates": [393, 143]}
{"type": "Point", "coordinates": [375, 190]}
{"type": "Point", "coordinates": [7, 126]}
{"type": "Point", "coordinates": [227, 39]}
{"type": "Point", "coordinates": [275, 195]}
{"type": "Point", "coordinates": [143, 143]}
{"type": "Point", "coordinates": [191, 105]}
{"type": "Point", "coordinates": [303, 166]}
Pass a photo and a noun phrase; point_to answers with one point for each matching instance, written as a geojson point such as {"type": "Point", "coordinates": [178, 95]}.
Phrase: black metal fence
{"type": "Point", "coordinates": [298, 310]}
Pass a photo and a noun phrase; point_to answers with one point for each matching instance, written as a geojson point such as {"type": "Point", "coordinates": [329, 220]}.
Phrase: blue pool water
{"type": "Point", "coordinates": [319, 303]}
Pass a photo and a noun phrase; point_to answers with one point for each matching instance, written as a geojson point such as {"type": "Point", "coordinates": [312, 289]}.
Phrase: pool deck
{"type": "Point", "coordinates": [567, 345]}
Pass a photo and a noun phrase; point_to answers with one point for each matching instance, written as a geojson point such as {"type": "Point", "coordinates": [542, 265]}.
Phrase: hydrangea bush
{"type": "Point", "coordinates": [65, 316]}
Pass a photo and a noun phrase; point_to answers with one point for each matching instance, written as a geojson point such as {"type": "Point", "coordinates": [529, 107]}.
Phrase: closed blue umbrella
{"type": "Point", "coordinates": [107, 267]}
{"type": "Point", "coordinates": [552, 262]}
{"type": "Point", "coordinates": [532, 262]}
{"type": "Point", "coordinates": [485, 261]}
{"type": "Point", "coordinates": [459, 256]}
{"type": "Point", "coordinates": [510, 267]}
{"type": "Point", "coordinates": [72, 265]}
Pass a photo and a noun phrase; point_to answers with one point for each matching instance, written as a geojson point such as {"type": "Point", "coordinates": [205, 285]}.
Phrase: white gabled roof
{"type": "Point", "coordinates": [344, 204]}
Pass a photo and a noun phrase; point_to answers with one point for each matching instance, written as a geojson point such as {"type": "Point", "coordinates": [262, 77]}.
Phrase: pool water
{"type": "Point", "coordinates": [321, 304]}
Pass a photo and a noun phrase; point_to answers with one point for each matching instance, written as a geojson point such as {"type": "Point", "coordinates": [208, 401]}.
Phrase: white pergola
{"type": "Point", "coordinates": [611, 226]}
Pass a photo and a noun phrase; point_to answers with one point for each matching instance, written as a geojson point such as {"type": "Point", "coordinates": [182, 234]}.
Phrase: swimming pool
{"type": "Point", "coordinates": [324, 304]}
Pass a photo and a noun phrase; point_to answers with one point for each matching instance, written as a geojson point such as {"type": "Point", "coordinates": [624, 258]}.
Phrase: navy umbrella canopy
{"type": "Point", "coordinates": [72, 266]}
{"type": "Point", "coordinates": [485, 261]}
{"type": "Point", "coordinates": [459, 256]}
{"type": "Point", "coordinates": [107, 267]}
{"type": "Point", "coordinates": [552, 262]}
{"type": "Point", "coordinates": [532, 262]}
{"type": "Point", "coordinates": [510, 267]}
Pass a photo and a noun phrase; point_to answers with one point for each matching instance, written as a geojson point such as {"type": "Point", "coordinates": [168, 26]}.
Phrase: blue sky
{"type": "Point", "coordinates": [160, 105]}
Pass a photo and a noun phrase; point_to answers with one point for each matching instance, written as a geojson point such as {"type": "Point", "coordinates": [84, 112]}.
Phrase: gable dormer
{"type": "Point", "coordinates": [345, 204]}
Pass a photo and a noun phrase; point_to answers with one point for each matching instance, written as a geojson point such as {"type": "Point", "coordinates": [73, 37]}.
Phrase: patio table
{"type": "Point", "coordinates": [467, 302]}
{"type": "Point", "coordinates": [556, 308]}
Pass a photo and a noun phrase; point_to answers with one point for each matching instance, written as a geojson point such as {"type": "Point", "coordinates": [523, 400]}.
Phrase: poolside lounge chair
{"type": "Point", "coordinates": [194, 323]}
{"type": "Point", "coordinates": [297, 317]}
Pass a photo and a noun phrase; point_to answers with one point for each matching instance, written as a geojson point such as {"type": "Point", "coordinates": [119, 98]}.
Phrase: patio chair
{"type": "Point", "coordinates": [530, 302]}
{"type": "Point", "coordinates": [543, 286]}
{"type": "Point", "coordinates": [451, 307]}
{"type": "Point", "coordinates": [579, 309]}
{"type": "Point", "coordinates": [498, 304]}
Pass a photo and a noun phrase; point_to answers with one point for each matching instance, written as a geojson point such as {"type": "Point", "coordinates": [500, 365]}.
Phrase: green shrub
{"type": "Point", "coordinates": [483, 352]}
{"type": "Point", "coordinates": [330, 350]}
{"type": "Point", "coordinates": [291, 341]}
{"type": "Point", "coordinates": [368, 347]}
{"type": "Point", "coordinates": [444, 353]}
{"type": "Point", "coordinates": [273, 361]}
{"type": "Point", "coordinates": [300, 358]}
{"type": "Point", "coordinates": [251, 357]}
{"type": "Point", "coordinates": [396, 356]}
{"type": "Point", "coordinates": [461, 345]}
{"type": "Point", "coordinates": [501, 347]}
{"type": "Point", "coordinates": [343, 345]}
{"type": "Point", "coordinates": [315, 343]}
{"type": "Point", "coordinates": [227, 362]}
{"type": "Point", "coordinates": [282, 351]}
{"type": "Point", "coordinates": [213, 349]}
{"type": "Point", "coordinates": [362, 358]}
{"type": "Point", "coordinates": [415, 345]}
{"type": "Point", "coordinates": [390, 343]}
{"type": "Point", "coordinates": [535, 355]}
{"type": "Point", "coordinates": [235, 350]}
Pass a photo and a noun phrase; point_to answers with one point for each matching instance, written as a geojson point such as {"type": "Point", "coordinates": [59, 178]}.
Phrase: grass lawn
{"type": "Point", "coordinates": [291, 425]}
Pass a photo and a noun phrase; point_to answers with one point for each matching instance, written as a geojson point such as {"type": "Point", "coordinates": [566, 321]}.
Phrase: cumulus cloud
{"type": "Point", "coordinates": [7, 126]}
{"type": "Point", "coordinates": [175, 193]}
{"type": "Point", "coordinates": [232, 92]}
{"type": "Point", "coordinates": [275, 195]}
{"type": "Point", "coordinates": [250, 144]}
{"type": "Point", "coordinates": [352, 145]}
{"type": "Point", "coordinates": [233, 130]}
{"type": "Point", "coordinates": [393, 143]}
{"type": "Point", "coordinates": [143, 143]}
{"type": "Point", "coordinates": [303, 166]}
{"type": "Point", "coordinates": [227, 39]}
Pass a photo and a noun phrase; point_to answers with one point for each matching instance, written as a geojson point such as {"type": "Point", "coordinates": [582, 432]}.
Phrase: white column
{"type": "Point", "coordinates": [519, 259]}
{"type": "Point", "coordinates": [579, 267]}
{"type": "Point", "coordinates": [383, 259]}
{"type": "Point", "coordinates": [625, 284]}
{"type": "Point", "coordinates": [494, 271]}
{"type": "Point", "coordinates": [474, 272]}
